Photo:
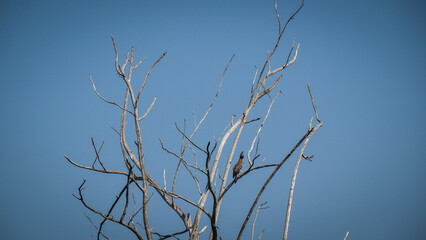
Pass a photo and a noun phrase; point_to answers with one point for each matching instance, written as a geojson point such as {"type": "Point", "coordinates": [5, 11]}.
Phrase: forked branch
{"type": "Point", "coordinates": [301, 154]}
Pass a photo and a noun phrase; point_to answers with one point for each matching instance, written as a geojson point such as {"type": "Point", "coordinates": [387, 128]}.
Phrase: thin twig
{"type": "Point", "coordinates": [127, 195]}
{"type": "Point", "coordinates": [254, 79]}
{"type": "Point", "coordinates": [195, 173]}
{"type": "Point", "coordinates": [201, 149]}
{"type": "Point", "coordinates": [137, 65]}
{"type": "Point", "coordinates": [175, 195]}
{"type": "Point", "coordinates": [261, 207]}
{"type": "Point", "coordinates": [110, 102]}
{"type": "Point", "coordinates": [261, 234]}
{"type": "Point", "coordinates": [96, 227]}
{"type": "Point", "coordinates": [278, 17]}
{"type": "Point", "coordinates": [149, 109]}
{"type": "Point", "coordinates": [164, 179]}
{"type": "Point", "coordinates": [293, 181]}
{"type": "Point", "coordinates": [269, 180]}
{"type": "Point", "coordinates": [94, 169]}
{"type": "Point", "coordinates": [347, 233]}
{"type": "Point", "coordinates": [112, 208]}
{"type": "Point", "coordinates": [97, 154]}
{"type": "Point", "coordinates": [181, 158]}
{"type": "Point", "coordinates": [106, 217]}
{"type": "Point", "coordinates": [209, 185]}
{"type": "Point", "coordinates": [198, 125]}
{"type": "Point", "coordinates": [313, 103]}
{"type": "Point", "coordinates": [253, 120]}
{"type": "Point", "coordinates": [147, 75]}
{"type": "Point", "coordinates": [260, 128]}
{"type": "Point", "coordinates": [170, 235]}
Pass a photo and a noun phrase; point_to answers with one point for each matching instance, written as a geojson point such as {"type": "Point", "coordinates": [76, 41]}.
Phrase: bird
{"type": "Point", "coordinates": [238, 166]}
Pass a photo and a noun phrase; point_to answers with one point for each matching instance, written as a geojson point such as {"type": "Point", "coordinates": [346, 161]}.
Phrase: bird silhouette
{"type": "Point", "coordinates": [238, 166]}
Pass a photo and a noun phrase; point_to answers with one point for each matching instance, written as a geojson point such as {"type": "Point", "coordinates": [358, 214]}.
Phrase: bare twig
{"type": "Point", "coordinates": [94, 169]}
{"type": "Point", "coordinates": [268, 181]}
{"type": "Point", "coordinates": [118, 68]}
{"type": "Point", "coordinates": [272, 53]}
{"type": "Point", "coordinates": [182, 152]}
{"type": "Point", "coordinates": [195, 173]}
{"type": "Point", "coordinates": [260, 128]}
{"type": "Point", "coordinates": [202, 230]}
{"type": "Point", "coordinates": [147, 75]}
{"type": "Point", "coordinates": [253, 120]}
{"type": "Point", "coordinates": [217, 94]}
{"type": "Point", "coordinates": [214, 99]}
{"type": "Point", "coordinates": [261, 207]}
{"type": "Point", "coordinates": [197, 218]}
{"type": "Point", "coordinates": [97, 154]}
{"type": "Point", "coordinates": [261, 234]}
{"type": "Point", "coordinates": [123, 144]}
{"type": "Point", "coordinates": [181, 158]}
{"type": "Point", "coordinates": [278, 17]}
{"type": "Point", "coordinates": [137, 65]}
{"type": "Point", "coordinates": [195, 145]}
{"type": "Point", "coordinates": [105, 217]}
{"type": "Point", "coordinates": [173, 235]}
{"type": "Point", "coordinates": [175, 195]}
{"type": "Point", "coordinates": [293, 181]}
{"type": "Point", "coordinates": [110, 102]}
{"type": "Point", "coordinates": [347, 233]}
{"type": "Point", "coordinates": [254, 79]}
{"type": "Point", "coordinates": [313, 103]}
{"type": "Point", "coordinates": [209, 185]}
{"type": "Point", "coordinates": [96, 227]}
{"type": "Point", "coordinates": [287, 220]}
{"type": "Point", "coordinates": [164, 179]}
{"type": "Point", "coordinates": [149, 109]}
{"type": "Point", "coordinates": [127, 195]}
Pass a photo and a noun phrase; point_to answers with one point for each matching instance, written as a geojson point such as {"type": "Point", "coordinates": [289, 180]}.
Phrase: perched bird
{"type": "Point", "coordinates": [238, 166]}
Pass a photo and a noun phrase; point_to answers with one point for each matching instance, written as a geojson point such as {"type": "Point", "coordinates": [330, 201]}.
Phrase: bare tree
{"type": "Point", "coordinates": [208, 181]}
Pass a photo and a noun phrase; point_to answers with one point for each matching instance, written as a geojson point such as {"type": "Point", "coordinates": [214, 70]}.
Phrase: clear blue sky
{"type": "Point", "coordinates": [365, 61]}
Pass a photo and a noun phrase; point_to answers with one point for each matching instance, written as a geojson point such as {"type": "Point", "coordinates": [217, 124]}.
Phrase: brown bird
{"type": "Point", "coordinates": [238, 166]}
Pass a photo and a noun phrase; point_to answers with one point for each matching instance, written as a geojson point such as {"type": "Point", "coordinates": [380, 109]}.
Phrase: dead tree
{"type": "Point", "coordinates": [206, 176]}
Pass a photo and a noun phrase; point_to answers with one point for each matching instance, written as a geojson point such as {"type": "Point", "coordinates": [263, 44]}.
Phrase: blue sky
{"type": "Point", "coordinates": [365, 61]}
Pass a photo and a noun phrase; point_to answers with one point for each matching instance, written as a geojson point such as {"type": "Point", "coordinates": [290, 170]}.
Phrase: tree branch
{"type": "Point", "coordinates": [293, 181]}
{"type": "Point", "coordinates": [268, 181]}
{"type": "Point", "coordinates": [110, 102]}
{"type": "Point", "coordinates": [106, 217]}
{"type": "Point", "coordinates": [261, 207]}
{"type": "Point", "coordinates": [147, 75]}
